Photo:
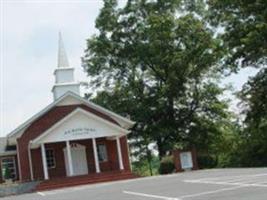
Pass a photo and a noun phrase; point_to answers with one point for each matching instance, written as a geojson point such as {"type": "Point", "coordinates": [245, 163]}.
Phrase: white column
{"type": "Point", "coordinates": [69, 158]}
{"type": "Point", "coordinates": [119, 152]}
{"type": "Point", "coordinates": [96, 156]}
{"type": "Point", "coordinates": [46, 177]}
{"type": "Point", "coordinates": [30, 159]}
{"type": "Point", "coordinates": [18, 159]}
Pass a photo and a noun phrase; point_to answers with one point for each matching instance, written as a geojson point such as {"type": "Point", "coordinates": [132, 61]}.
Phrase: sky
{"type": "Point", "coordinates": [29, 42]}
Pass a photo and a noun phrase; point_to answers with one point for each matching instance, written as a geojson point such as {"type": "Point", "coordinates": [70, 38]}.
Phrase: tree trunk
{"type": "Point", "coordinates": [161, 150]}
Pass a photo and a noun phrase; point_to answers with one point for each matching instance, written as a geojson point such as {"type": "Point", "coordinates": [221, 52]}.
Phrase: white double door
{"type": "Point", "coordinates": [79, 160]}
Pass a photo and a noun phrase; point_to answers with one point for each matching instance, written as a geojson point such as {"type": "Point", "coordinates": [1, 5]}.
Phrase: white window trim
{"type": "Point", "coordinates": [54, 158]}
{"type": "Point", "coordinates": [15, 167]}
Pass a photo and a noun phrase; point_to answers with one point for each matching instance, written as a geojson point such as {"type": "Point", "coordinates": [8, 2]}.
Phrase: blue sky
{"type": "Point", "coordinates": [29, 38]}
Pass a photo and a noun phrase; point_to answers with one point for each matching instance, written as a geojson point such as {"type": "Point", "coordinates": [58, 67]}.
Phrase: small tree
{"type": "Point", "coordinates": [7, 173]}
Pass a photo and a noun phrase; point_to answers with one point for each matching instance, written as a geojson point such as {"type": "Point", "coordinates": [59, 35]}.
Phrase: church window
{"type": "Point", "coordinates": [8, 167]}
{"type": "Point", "coordinates": [50, 158]}
{"type": "Point", "coordinates": [102, 152]}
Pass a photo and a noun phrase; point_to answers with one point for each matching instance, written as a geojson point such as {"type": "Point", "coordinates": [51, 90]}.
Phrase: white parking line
{"type": "Point", "coordinates": [236, 182]}
{"type": "Point", "coordinates": [245, 180]}
{"type": "Point", "coordinates": [210, 192]}
{"type": "Point", "coordinates": [227, 183]}
{"type": "Point", "coordinates": [150, 195]}
{"type": "Point", "coordinates": [41, 193]}
{"type": "Point", "coordinates": [232, 177]}
{"type": "Point", "coordinates": [184, 196]}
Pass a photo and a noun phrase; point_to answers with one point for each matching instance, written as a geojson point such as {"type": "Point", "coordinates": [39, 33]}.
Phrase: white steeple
{"type": "Point", "coordinates": [64, 74]}
{"type": "Point", "coordinates": [62, 60]}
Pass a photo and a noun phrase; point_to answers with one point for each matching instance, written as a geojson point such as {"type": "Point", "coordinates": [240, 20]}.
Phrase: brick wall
{"type": "Point", "coordinates": [125, 153]}
{"type": "Point", "coordinates": [60, 171]}
{"type": "Point", "coordinates": [38, 127]}
{"type": "Point", "coordinates": [37, 165]}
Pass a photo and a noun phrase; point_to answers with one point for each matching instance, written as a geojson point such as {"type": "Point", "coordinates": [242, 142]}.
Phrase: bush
{"type": "Point", "coordinates": [141, 167]}
{"type": "Point", "coordinates": [166, 165]}
{"type": "Point", "coordinates": [7, 173]}
{"type": "Point", "coordinates": [206, 161]}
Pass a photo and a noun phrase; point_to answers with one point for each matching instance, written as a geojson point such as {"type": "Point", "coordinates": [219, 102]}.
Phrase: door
{"type": "Point", "coordinates": [79, 160]}
{"type": "Point", "coordinates": [186, 160]}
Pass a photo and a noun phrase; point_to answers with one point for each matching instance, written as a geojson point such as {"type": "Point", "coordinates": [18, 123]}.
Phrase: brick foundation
{"type": "Point", "coordinates": [85, 179]}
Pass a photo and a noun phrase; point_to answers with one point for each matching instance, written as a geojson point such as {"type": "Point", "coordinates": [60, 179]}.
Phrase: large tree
{"type": "Point", "coordinates": [254, 102]}
{"type": "Point", "coordinates": [243, 28]}
{"type": "Point", "coordinates": [157, 62]}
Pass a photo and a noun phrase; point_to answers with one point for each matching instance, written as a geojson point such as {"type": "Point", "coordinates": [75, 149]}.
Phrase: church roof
{"type": "Point", "coordinates": [76, 99]}
{"type": "Point", "coordinates": [3, 144]}
{"type": "Point", "coordinates": [5, 149]}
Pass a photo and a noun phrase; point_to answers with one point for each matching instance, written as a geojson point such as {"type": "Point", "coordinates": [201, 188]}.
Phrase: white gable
{"type": "Point", "coordinates": [79, 125]}
{"type": "Point", "coordinates": [69, 100]}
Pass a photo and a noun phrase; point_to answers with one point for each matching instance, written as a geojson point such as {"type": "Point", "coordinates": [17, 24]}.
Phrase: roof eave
{"type": "Point", "coordinates": [8, 153]}
{"type": "Point", "coordinates": [50, 106]}
{"type": "Point", "coordinates": [36, 116]}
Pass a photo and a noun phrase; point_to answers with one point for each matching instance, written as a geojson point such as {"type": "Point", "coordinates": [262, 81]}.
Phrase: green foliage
{"type": "Point", "coordinates": [243, 29]}
{"type": "Point", "coordinates": [7, 173]}
{"type": "Point", "coordinates": [166, 165]}
{"type": "Point", "coordinates": [160, 68]}
{"type": "Point", "coordinates": [142, 167]}
{"type": "Point", "coordinates": [254, 99]}
{"type": "Point", "coordinates": [160, 62]}
{"type": "Point", "coordinates": [229, 146]}
{"type": "Point", "coordinates": [206, 161]}
{"type": "Point", "coordinates": [243, 26]}
{"type": "Point", "coordinates": [244, 145]}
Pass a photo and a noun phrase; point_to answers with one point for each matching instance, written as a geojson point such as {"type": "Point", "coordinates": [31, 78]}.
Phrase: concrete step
{"type": "Point", "coordinates": [81, 180]}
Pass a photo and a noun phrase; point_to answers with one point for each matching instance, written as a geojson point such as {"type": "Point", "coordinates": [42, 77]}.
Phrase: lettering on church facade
{"type": "Point", "coordinates": [79, 131]}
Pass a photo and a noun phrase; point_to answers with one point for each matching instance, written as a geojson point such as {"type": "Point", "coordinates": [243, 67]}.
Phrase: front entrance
{"type": "Point", "coordinates": [79, 160]}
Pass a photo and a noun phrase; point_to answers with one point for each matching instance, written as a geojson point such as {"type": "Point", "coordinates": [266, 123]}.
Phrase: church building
{"type": "Point", "coordinates": [71, 140]}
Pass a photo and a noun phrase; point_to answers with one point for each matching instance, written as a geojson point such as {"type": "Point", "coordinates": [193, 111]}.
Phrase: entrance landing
{"type": "Point", "coordinates": [84, 179]}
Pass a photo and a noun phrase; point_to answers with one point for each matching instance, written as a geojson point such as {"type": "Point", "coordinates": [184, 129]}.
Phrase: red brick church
{"type": "Point", "coordinates": [71, 137]}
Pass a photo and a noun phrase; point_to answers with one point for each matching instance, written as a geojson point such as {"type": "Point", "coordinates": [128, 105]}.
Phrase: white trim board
{"type": "Point", "coordinates": [9, 153]}
{"type": "Point", "coordinates": [114, 129]}
{"type": "Point", "coordinates": [124, 122]}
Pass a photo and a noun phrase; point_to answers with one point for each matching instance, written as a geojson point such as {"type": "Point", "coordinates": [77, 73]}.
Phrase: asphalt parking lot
{"type": "Point", "coordinates": [217, 184]}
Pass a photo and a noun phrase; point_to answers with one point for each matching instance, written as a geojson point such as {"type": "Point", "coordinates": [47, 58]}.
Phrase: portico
{"type": "Point", "coordinates": [79, 153]}
{"type": "Point", "coordinates": [74, 132]}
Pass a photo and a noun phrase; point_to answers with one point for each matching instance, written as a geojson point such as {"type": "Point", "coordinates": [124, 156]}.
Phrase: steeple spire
{"type": "Point", "coordinates": [64, 74]}
{"type": "Point", "coordinates": [62, 56]}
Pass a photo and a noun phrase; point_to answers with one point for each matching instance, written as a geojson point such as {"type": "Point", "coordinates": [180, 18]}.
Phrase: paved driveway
{"type": "Point", "coordinates": [217, 184]}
